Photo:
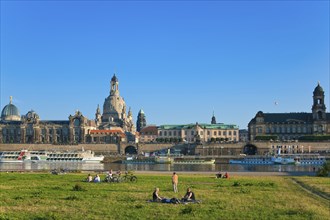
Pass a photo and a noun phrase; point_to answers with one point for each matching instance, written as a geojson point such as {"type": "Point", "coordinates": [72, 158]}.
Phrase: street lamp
{"type": "Point", "coordinates": [221, 150]}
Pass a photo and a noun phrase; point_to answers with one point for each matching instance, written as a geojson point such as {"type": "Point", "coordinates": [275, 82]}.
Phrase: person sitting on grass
{"type": "Point", "coordinates": [155, 196]}
{"type": "Point", "coordinates": [109, 176]}
{"type": "Point", "coordinates": [190, 196]}
{"type": "Point", "coordinates": [97, 179]}
{"type": "Point", "coordinates": [226, 175]}
{"type": "Point", "coordinates": [89, 178]}
{"type": "Point", "coordinates": [218, 175]}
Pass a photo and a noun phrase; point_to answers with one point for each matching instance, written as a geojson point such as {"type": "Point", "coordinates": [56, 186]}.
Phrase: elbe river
{"type": "Point", "coordinates": [100, 167]}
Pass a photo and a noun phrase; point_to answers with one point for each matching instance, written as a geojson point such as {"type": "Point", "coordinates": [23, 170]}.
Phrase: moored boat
{"type": "Point", "coordinates": [195, 161]}
{"type": "Point", "coordinates": [309, 159]}
{"type": "Point", "coordinates": [163, 159]}
{"type": "Point", "coordinates": [49, 156]}
{"type": "Point", "coordinates": [253, 160]}
{"type": "Point", "coordinates": [284, 159]}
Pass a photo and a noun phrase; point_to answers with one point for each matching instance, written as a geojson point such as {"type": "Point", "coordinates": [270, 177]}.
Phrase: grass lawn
{"type": "Point", "coordinates": [46, 196]}
{"type": "Point", "coordinates": [316, 183]}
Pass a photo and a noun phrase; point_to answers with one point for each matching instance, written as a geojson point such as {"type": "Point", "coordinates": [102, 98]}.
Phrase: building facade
{"type": "Point", "coordinates": [243, 135]}
{"type": "Point", "coordinates": [148, 134]}
{"type": "Point", "coordinates": [203, 133]}
{"type": "Point", "coordinates": [190, 133]}
{"type": "Point", "coordinates": [113, 126]}
{"type": "Point", "coordinates": [292, 126]}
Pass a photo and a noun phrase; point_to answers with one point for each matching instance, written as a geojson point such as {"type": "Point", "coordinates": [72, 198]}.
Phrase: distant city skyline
{"type": "Point", "coordinates": [178, 61]}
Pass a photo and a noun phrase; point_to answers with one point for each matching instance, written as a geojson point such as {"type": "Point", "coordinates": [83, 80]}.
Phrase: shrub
{"type": "Point", "coordinates": [78, 187]}
{"type": "Point", "coordinates": [314, 138]}
{"type": "Point", "coordinates": [266, 137]}
{"type": "Point", "coordinates": [236, 183]}
{"type": "Point", "coordinates": [324, 170]}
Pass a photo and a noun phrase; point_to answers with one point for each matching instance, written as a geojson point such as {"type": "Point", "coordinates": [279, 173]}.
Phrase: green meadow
{"type": "Point", "coordinates": [46, 196]}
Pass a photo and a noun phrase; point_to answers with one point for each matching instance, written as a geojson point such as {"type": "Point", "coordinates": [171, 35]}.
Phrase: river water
{"type": "Point", "coordinates": [47, 166]}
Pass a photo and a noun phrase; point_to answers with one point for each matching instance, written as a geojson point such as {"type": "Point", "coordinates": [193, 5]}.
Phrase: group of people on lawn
{"type": "Point", "coordinates": [97, 178]}
{"type": "Point", "coordinates": [188, 197]}
{"type": "Point", "coordinates": [220, 175]}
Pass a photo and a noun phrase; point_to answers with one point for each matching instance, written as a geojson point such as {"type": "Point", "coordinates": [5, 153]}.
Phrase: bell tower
{"type": "Point", "coordinates": [98, 117]}
{"type": "Point", "coordinates": [318, 108]}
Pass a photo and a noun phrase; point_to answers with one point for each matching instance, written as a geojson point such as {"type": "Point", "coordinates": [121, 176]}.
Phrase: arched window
{"type": "Point", "coordinates": [76, 122]}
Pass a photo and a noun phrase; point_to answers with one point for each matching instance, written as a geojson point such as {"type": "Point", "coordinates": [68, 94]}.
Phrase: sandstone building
{"type": "Point", "coordinates": [112, 126]}
{"type": "Point", "coordinates": [191, 133]}
{"type": "Point", "coordinates": [292, 126]}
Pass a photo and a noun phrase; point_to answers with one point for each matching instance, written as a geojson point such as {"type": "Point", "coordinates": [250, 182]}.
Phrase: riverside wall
{"type": "Point", "coordinates": [201, 149]}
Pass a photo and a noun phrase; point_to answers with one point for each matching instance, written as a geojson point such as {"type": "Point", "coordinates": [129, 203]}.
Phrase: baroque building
{"type": "Point", "coordinates": [113, 126]}
{"type": "Point", "coordinates": [292, 126]}
{"type": "Point", "coordinates": [190, 133]}
{"type": "Point", "coordinates": [203, 133]}
{"type": "Point", "coordinates": [114, 111]}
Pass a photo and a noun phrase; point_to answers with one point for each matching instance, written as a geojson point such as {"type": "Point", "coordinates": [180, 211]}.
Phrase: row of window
{"type": "Point", "coordinates": [284, 130]}
{"type": "Point", "coordinates": [289, 146]}
{"type": "Point", "coordinates": [29, 131]}
{"type": "Point", "coordinates": [105, 133]}
{"type": "Point", "coordinates": [215, 133]}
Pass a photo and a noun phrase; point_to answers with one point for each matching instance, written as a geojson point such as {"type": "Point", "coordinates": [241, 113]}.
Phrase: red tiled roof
{"type": "Point", "coordinates": [149, 129]}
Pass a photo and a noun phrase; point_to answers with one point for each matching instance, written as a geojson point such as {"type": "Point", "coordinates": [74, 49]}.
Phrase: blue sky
{"type": "Point", "coordinates": [178, 61]}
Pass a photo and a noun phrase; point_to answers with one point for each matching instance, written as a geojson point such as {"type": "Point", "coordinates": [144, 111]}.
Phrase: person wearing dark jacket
{"type": "Point", "coordinates": [190, 196]}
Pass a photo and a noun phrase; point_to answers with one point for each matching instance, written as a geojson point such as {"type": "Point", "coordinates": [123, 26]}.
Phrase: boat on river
{"type": "Point", "coordinates": [166, 160]}
{"type": "Point", "coordinates": [253, 160]}
{"type": "Point", "coordinates": [49, 156]}
{"type": "Point", "coordinates": [309, 159]}
{"type": "Point", "coordinates": [193, 161]}
{"type": "Point", "coordinates": [284, 159]}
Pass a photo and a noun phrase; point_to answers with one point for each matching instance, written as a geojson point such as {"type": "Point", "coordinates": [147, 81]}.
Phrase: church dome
{"type": "Point", "coordinates": [318, 90]}
{"type": "Point", "coordinates": [10, 112]}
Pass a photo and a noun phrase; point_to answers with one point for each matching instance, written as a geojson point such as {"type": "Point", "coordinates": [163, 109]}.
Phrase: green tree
{"type": "Point", "coordinates": [324, 171]}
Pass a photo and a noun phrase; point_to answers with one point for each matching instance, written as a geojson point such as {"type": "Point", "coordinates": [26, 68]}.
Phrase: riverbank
{"type": "Point", "coordinates": [234, 174]}
{"type": "Point", "coordinates": [207, 173]}
{"type": "Point", "coordinates": [46, 196]}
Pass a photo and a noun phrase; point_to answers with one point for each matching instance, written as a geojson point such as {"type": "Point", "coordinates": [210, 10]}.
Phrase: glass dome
{"type": "Point", "coordinates": [10, 112]}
